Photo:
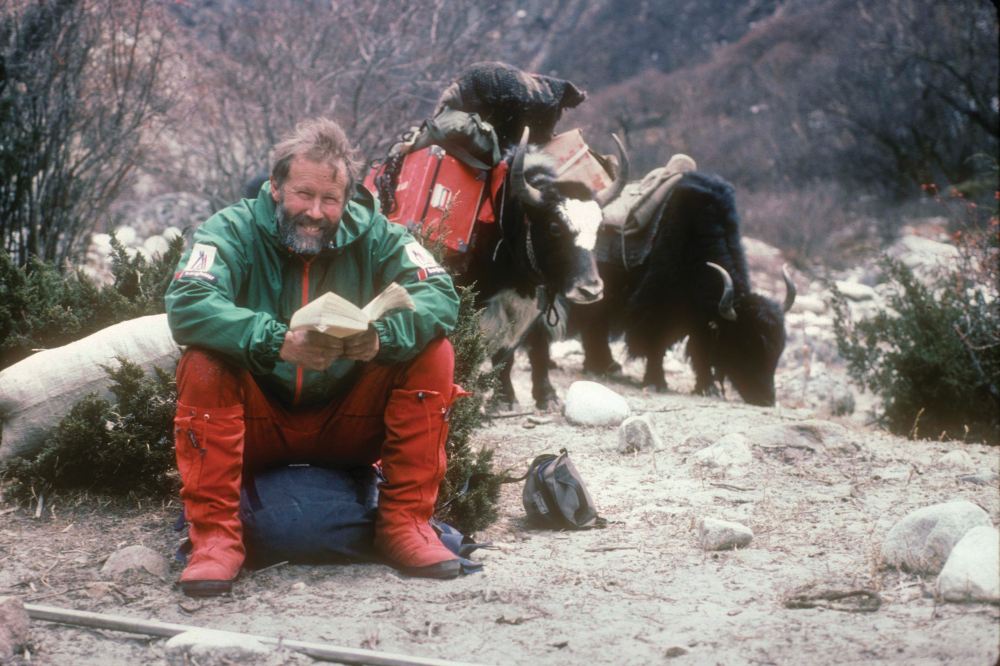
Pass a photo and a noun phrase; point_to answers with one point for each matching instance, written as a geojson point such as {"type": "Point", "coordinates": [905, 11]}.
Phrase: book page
{"type": "Point", "coordinates": [392, 297]}
{"type": "Point", "coordinates": [336, 316]}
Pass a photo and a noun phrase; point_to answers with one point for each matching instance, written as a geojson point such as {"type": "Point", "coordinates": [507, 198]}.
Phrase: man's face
{"type": "Point", "coordinates": [309, 205]}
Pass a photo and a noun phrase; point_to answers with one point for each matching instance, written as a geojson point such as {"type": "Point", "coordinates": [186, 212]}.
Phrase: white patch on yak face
{"type": "Point", "coordinates": [583, 218]}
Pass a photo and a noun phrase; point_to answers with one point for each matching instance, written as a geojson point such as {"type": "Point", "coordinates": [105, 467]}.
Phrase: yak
{"type": "Point", "coordinates": [541, 250]}
{"type": "Point", "coordinates": [693, 282]}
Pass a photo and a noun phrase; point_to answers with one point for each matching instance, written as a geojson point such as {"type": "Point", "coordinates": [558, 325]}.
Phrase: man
{"type": "Point", "coordinates": [252, 393]}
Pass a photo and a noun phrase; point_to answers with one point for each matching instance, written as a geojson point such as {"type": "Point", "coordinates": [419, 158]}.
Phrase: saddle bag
{"type": "Point", "coordinates": [436, 196]}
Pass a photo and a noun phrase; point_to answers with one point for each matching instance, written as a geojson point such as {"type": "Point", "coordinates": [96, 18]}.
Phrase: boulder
{"type": "Point", "coordinates": [957, 459]}
{"type": "Point", "coordinates": [592, 404]}
{"type": "Point", "coordinates": [208, 647]}
{"type": "Point", "coordinates": [13, 627]}
{"type": "Point", "coordinates": [636, 434]}
{"type": "Point", "coordinates": [814, 436]}
{"type": "Point", "coordinates": [972, 572]}
{"type": "Point", "coordinates": [136, 558]}
{"type": "Point", "coordinates": [729, 456]}
{"type": "Point", "coordinates": [922, 541]}
{"type": "Point", "coordinates": [723, 535]}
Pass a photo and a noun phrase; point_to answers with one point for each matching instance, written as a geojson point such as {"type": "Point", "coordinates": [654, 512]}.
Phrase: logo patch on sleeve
{"type": "Point", "coordinates": [419, 255]}
{"type": "Point", "coordinates": [200, 262]}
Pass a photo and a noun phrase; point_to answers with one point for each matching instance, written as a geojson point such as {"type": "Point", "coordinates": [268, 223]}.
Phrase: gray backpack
{"type": "Point", "coordinates": [555, 496]}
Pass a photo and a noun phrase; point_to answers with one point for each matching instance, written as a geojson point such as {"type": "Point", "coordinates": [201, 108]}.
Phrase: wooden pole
{"type": "Point", "coordinates": [319, 651]}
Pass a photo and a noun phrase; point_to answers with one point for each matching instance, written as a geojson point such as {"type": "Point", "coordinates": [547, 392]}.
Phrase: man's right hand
{"type": "Point", "coordinates": [311, 350]}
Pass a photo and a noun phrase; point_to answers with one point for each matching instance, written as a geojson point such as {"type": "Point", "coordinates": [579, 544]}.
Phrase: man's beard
{"type": "Point", "coordinates": [299, 243]}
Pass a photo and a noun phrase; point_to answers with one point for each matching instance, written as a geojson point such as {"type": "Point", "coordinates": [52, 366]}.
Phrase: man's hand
{"type": "Point", "coordinates": [363, 346]}
{"type": "Point", "coordinates": [311, 350]}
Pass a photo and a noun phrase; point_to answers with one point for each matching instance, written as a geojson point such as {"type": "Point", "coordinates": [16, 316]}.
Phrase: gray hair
{"type": "Point", "coordinates": [319, 140]}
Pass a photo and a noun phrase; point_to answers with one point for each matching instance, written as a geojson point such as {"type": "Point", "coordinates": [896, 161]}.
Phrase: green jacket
{"type": "Point", "coordinates": [236, 289]}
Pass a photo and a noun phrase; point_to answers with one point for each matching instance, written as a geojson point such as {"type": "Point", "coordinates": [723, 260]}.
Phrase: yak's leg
{"type": "Point", "coordinates": [654, 367]}
{"type": "Point", "coordinates": [542, 391]}
{"type": "Point", "coordinates": [504, 397]}
{"type": "Point", "coordinates": [698, 348]}
{"type": "Point", "coordinates": [592, 321]}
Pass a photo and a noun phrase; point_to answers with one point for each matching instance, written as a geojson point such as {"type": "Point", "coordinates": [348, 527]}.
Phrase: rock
{"type": "Point", "coordinates": [729, 456]}
{"type": "Point", "coordinates": [809, 303]}
{"type": "Point", "coordinates": [723, 535]}
{"type": "Point", "coordinates": [957, 459]}
{"type": "Point", "coordinates": [590, 403]}
{"type": "Point", "coordinates": [156, 245]}
{"type": "Point", "coordinates": [208, 647]}
{"type": "Point", "coordinates": [923, 539]}
{"type": "Point", "coordinates": [814, 436]}
{"type": "Point", "coordinates": [972, 572]}
{"type": "Point", "coordinates": [981, 478]}
{"type": "Point", "coordinates": [13, 627]}
{"type": "Point", "coordinates": [136, 558]}
{"type": "Point", "coordinates": [921, 254]}
{"type": "Point", "coordinates": [125, 234]}
{"type": "Point", "coordinates": [854, 291]}
{"type": "Point", "coordinates": [636, 434]}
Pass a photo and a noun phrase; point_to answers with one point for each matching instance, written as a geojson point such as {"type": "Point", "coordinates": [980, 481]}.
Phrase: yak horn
{"type": "Point", "coordinates": [522, 189]}
{"type": "Point", "coordinates": [726, 310]}
{"type": "Point", "coordinates": [611, 192]}
{"type": "Point", "coordinates": [790, 290]}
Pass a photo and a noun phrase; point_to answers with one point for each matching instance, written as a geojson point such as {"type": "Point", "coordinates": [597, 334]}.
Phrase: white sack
{"type": "Point", "coordinates": [36, 393]}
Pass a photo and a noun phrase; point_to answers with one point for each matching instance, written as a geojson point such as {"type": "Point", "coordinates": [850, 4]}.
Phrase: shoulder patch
{"type": "Point", "coordinates": [198, 264]}
{"type": "Point", "coordinates": [419, 255]}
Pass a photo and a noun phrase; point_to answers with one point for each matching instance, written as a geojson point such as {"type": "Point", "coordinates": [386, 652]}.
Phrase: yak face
{"type": "Point", "coordinates": [750, 347]}
{"type": "Point", "coordinates": [561, 222]}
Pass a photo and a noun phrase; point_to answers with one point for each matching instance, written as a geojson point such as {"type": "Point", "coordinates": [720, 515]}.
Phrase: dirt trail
{"type": "Point", "coordinates": [640, 591]}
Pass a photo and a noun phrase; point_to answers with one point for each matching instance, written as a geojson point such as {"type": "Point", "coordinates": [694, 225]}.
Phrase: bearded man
{"type": "Point", "coordinates": [253, 394]}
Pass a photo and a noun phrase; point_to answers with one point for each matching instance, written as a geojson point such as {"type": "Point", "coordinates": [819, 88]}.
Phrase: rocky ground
{"type": "Point", "coordinates": [820, 488]}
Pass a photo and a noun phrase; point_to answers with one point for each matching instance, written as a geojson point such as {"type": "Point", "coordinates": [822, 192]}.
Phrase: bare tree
{"type": "Point", "coordinates": [258, 68]}
{"type": "Point", "coordinates": [79, 101]}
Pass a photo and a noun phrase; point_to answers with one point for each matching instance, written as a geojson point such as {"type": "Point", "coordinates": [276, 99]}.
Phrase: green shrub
{"type": "Point", "coordinates": [470, 490]}
{"type": "Point", "coordinates": [123, 447]}
{"type": "Point", "coordinates": [41, 308]}
{"type": "Point", "coordinates": [934, 354]}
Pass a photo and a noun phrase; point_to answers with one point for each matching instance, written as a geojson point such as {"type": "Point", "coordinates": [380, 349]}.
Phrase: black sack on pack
{"type": "Point", "coordinates": [555, 496]}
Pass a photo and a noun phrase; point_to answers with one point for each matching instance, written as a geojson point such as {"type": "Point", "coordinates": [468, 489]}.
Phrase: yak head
{"type": "Point", "coordinates": [558, 223]}
{"type": "Point", "coordinates": [750, 339]}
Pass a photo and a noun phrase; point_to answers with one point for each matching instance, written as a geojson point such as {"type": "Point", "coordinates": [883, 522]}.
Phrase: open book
{"type": "Point", "coordinates": [336, 316]}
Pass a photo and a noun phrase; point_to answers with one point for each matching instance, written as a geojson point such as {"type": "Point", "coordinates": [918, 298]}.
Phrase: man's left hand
{"type": "Point", "coordinates": [363, 346]}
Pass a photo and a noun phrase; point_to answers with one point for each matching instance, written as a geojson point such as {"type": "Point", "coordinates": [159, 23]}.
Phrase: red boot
{"type": "Point", "coordinates": [209, 444]}
{"type": "Point", "coordinates": [413, 462]}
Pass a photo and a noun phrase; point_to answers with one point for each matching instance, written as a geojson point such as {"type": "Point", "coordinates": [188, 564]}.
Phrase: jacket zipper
{"type": "Point", "coordinates": [299, 371]}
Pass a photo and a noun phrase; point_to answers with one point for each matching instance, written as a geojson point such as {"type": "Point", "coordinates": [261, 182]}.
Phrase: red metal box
{"type": "Point", "coordinates": [436, 194]}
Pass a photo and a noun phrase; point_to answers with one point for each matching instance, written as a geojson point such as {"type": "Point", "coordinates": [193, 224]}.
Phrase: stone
{"type": "Point", "coordinates": [717, 534]}
{"type": "Point", "coordinates": [972, 572]}
{"type": "Point", "coordinates": [728, 456]}
{"type": "Point", "coordinates": [13, 627]}
{"type": "Point", "coordinates": [209, 647]}
{"type": "Point", "coordinates": [636, 434]}
{"type": "Point", "coordinates": [136, 558]}
{"type": "Point", "coordinates": [855, 291]}
{"type": "Point", "coordinates": [156, 245]}
{"type": "Point", "coordinates": [814, 436]}
{"type": "Point", "coordinates": [809, 303]}
{"type": "Point", "coordinates": [125, 234]}
{"type": "Point", "coordinates": [981, 478]}
{"type": "Point", "coordinates": [957, 459]}
{"type": "Point", "coordinates": [923, 539]}
{"type": "Point", "coordinates": [592, 404]}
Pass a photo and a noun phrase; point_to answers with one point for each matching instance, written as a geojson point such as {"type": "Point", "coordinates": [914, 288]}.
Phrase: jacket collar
{"type": "Point", "coordinates": [357, 219]}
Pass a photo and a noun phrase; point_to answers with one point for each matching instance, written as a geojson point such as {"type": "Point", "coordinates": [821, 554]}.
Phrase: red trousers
{"type": "Point", "coordinates": [347, 431]}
